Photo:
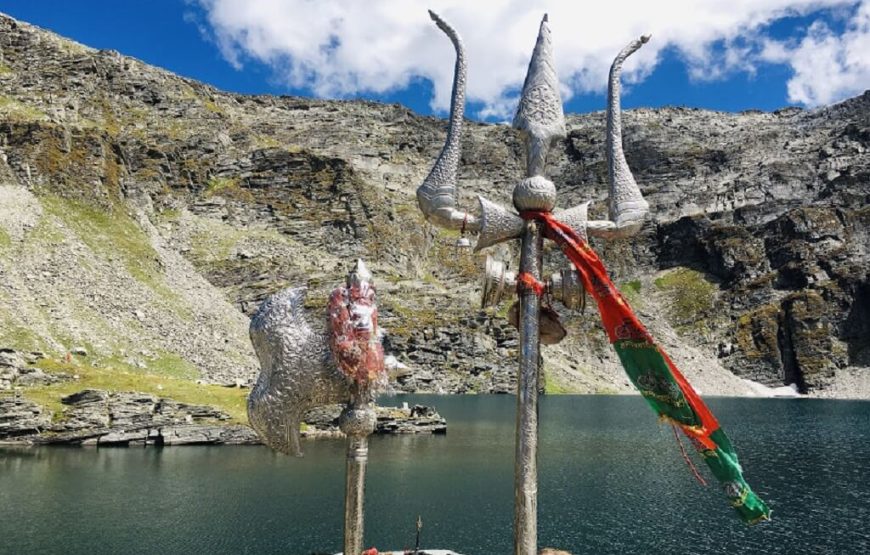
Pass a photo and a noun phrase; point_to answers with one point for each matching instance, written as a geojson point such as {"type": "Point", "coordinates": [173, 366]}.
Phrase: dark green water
{"type": "Point", "coordinates": [612, 480]}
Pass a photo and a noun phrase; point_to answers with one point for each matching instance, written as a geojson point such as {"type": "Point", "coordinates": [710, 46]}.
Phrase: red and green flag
{"type": "Point", "coordinates": [654, 374]}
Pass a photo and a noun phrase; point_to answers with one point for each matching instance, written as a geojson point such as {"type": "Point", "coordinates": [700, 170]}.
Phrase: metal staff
{"type": "Point", "coordinates": [357, 421]}
{"type": "Point", "coordinates": [542, 122]}
{"type": "Point", "coordinates": [540, 118]}
{"type": "Point", "coordinates": [304, 366]}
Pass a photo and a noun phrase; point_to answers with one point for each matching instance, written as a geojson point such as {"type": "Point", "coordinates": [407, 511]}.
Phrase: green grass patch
{"type": "Point", "coordinates": [45, 232]}
{"type": "Point", "coordinates": [110, 122]}
{"type": "Point", "coordinates": [212, 107]}
{"type": "Point", "coordinates": [169, 215]}
{"type": "Point", "coordinates": [108, 232]}
{"type": "Point", "coordinates": [5, 69]}
{"type": "Point", "coordinates": [553, 387]}
{"type": "Point", "coordinates": [16, 110]}
{"type": "Point", "coordinates": [606, 390]}
{"type": "Point", "coordinates": [170, 364]}
{"type": "Point", "coordinates": [407, 319]}
{"type": "Point", "coordinates": [206, 247]}
{"type": "Point", "coordinates": [176, 130]}
{"type": "Point", "coordinates": [228, 187]}
{"type": "Point", "coordinates": [691, 297]}
{"type": "Point", "coordinates": [213, 244]}
{"type": "Point", "coordinates": [430, 279]}
{"type": "Point", "coordinates": [266, 141]}
{"type": "Point", "coordinates": [5, 239]}
{"type": "Point", "coordinates": [504, 308]}
{"type": "Point", "coordinates": [118, 377]}
{"type": "Point", "coordinates": [631, 291]}
{"type": "Point", "coordinates": [20, 338]}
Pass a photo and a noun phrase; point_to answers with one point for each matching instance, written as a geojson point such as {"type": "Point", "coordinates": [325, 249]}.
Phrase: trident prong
{"type": "Point", "coordinates": [539, 114]}
{"type": "Point", "coordinates": [627, 207]}
{"type": "Point", "coordinates": [436, 197]}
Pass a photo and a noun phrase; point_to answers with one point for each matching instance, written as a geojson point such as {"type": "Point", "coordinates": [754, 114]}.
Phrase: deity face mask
{"type": "Point", "coordinates": [353, 318]}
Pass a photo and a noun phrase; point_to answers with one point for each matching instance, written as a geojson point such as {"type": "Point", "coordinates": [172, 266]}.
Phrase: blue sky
{"type": "Point", "coordinates": [734, 55]}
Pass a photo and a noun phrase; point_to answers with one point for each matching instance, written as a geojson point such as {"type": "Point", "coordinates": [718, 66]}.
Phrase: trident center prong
{"type": "Point", "coordinates": [539, 114]}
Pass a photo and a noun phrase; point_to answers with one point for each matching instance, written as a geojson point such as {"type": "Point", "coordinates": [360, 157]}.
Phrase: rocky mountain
{"type": "Point", "coordinates": [143, 217]}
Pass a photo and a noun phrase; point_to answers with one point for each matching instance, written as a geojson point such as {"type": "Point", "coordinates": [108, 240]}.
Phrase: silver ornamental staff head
{"type": "Point", "coordinates": [298, 369]}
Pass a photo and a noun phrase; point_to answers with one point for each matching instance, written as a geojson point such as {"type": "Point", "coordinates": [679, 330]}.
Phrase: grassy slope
{"type": "Point", "coordinates": [29, 322]}
{"type": "Point", "coordinates": [165, 378]}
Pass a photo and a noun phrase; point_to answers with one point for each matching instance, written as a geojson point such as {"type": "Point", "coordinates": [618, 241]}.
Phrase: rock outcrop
{"type": "Point", "coordinates": [103, 418]}
{"type": "Point", "coordinates": [20, 418]}
{"type": "Point", "coordinates": [419, 419]}
{"type": "Point", "coordinates": [97, 417]}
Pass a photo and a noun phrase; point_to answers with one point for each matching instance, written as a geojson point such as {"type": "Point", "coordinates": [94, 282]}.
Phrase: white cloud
{"type": "Point", "coordinates": [347, 47]}
{"type": "Point", "coordinates": [827, 67]}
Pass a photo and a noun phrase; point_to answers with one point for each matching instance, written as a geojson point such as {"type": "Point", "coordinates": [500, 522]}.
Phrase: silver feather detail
{"type": "Point", "coordinates": [297, 371]}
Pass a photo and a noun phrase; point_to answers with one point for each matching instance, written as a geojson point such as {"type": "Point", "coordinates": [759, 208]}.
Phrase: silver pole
{"type": "Point", "coordinates": [526, 459]}
{"type": "Point", "coordinates": [357, 421]}
{"type": "Point", "coordinates": [357, 457]}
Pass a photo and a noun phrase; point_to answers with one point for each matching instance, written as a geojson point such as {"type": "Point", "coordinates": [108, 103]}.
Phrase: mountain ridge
{"type": "Point", "coordinates": [144, 214]}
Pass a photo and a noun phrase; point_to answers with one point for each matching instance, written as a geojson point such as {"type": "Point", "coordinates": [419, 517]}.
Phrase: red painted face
{"type": "Point", "coordinates": [353, 317]}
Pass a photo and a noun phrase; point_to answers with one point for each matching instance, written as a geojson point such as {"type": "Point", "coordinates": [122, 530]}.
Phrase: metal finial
{"type": "Point", "coordinates": [436, 196]}
{"type": "Point", "coordinates": [539, 113]}
{"type": "Point", "coordinates": [359, 274]}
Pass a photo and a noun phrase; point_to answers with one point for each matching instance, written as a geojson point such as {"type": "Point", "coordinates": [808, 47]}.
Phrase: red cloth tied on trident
{"type": "Point", "coordinates": [653, 373]}
{"type": "Point", "coordinates": [354, 341]}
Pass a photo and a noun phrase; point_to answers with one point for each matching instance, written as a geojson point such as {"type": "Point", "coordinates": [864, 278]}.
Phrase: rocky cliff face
{"type": "Point", "coordinates": [143, 215]}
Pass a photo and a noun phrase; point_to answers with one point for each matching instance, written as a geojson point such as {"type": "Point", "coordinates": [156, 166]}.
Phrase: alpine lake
{"type": "Point", "coordinates": [611, 480]}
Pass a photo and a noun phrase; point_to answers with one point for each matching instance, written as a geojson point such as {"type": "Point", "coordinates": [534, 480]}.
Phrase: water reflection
{"type": "Point", "coordinates": [611, 481]}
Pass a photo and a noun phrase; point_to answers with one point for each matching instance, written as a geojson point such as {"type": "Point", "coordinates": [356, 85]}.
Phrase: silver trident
{"type": "Point", "coordinates": [542, 122]}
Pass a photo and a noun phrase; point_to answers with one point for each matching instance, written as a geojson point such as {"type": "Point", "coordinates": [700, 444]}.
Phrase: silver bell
{"type": "Point", "coordinates": [463, 243]}
{"type": "Point", "coordinates": [496, 282]}
{"type": "Point", "coordinates": [565, 286]}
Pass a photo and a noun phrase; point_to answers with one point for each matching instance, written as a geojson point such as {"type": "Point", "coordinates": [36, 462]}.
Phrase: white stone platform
{"type": "Point", "coordinates": [421, 552]}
